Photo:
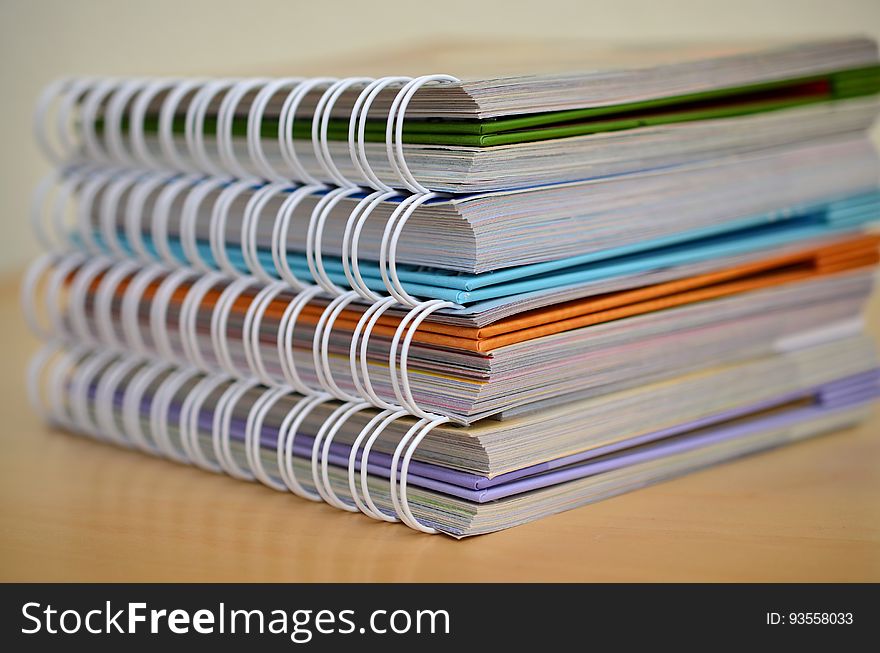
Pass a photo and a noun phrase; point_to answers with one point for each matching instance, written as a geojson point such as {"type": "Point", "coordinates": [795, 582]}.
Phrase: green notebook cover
{"type": "Point", "coordinates": [714, 104]}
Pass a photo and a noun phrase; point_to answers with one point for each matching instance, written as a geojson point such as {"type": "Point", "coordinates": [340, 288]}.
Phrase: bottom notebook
{"type": "Point", "coordinates": [834, 406]}
{"type": "Point", "coordinates": [456, 503]}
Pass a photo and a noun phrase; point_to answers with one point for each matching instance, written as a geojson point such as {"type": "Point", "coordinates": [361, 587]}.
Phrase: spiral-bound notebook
{"type": "Point", "coordinates": [484, 134]}
{"type": "Point", "coordinates": [468, 304]}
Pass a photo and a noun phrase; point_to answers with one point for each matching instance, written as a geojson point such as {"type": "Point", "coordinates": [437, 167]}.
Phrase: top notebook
{"type": "Point", "coordinates": [637, 109]}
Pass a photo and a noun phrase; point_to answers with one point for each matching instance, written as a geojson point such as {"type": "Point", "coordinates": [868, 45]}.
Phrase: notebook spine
{"type": "Point", "coordinates": [93, 270]}
{"type": "Point", "coordinates": [108, 121]}
{"type": "Point", "coordinates": [123, 307]}
{"type": "Point", "coordinates": [127, 214]}
{"type": "Point", "coordinates": [127, 400]}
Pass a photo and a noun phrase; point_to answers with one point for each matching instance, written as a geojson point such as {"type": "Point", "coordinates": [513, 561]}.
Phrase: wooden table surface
{"type": "Point", "coordinates": [73, 509]}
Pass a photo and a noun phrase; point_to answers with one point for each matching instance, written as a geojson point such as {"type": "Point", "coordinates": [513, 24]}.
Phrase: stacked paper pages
{"type": "Point", "coordinates": [462, 304]}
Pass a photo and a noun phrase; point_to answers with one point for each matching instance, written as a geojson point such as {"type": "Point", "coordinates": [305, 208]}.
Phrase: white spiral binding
{"type": "Point", "coordinates": [408, 325]}
{"type": "Point", "coordinates": [109, 211]}
{"type": "Point", "coordinates": [40, 377]}
{"type": "Point", "coordinates": [83, 279]}
{"type": "Point", "coordinates": [219, 320]}
{"type": "Point", "coordinates": [321, 452]}
{"type": "Point", "coordinates": [86, 377]}
{"type": "Point", "coordinates": [351, 239]}
{"type": "Point", "coordinates": [408, 444]}
{"type": "Point", "coordinates": [87, 273]}
{"type": "Point", "coordinates": [104, 298]}
{"type": "Point", "coordinates": [167, 112]}
{"type": "Point", "coordinates": [58, 380]}
{"type": "Point", "coordinates": [315, 234]}
{"type": "Point", "coordinates": [394, 129]}
{"type": "Point", "coordinates": [113, 127]}
{"type": "Point", "coordinates": [195, 125]}
{"type": "Point", "coordinates": [253, 320]}
{"type": "Point", "coordinates": [362, 332]}
{"type": "Point", "coordinates": [400, 510]}
{"type": "Point", "coordinates": [352, 462]}
{"type": "Point", "coordinates": [105, 398]}
{"type": "Point", "coordinates": [57, 280]}
{"type": "Point", "coordinates": [363, 386]}
{"type": "Point", "coordinates": [114, 98]}
{"type": "Point", "coordinates": [36, 215]}
{"type": "Point", "coordinates": [92, 105]}
{"type": "Point", "coordinates": [255, 128]}
{"type": "Point", "coordinates": [158, 316]}
{"type": "Point", "coordinates": [284, 343]}
{"type": "Point", "coordinates": [170, 281]}
{"type": "Point", "coordinates": [161, 215]}
{"type": "Point", "coordinates": [189, 220]}
{"type": "Point", "coordinates": [137, 136]}
{"type": "Point", "coordinates": [286, 435]}
{"type": "Point", "coordinates": [249, 227]}
{"type": "Point", "coordinates": [64, 120]}
{"type": "Point", "coordinates": [85, 207]}
{"type": "Point", "coordinates": [321, 347]}
{"type": "Point", "coordinates": [83, 373]}
{"type": "Point", "coordinates": [225, 119]}
{"type": "Point", "coordinates": [221, 428]}
{"type": "Point", "coordinates": [134, 211]}
{"type": "Point", "coordinates": [162, 396]}
{"type": "Point", "coordinates": [66, 191]}
{"type": "Point", "coordinates": [131, 403]}
{"type": "Point", "coordinates": [159, 412]}
{"type": "Point", "coordinates": [131, 300]}
{"type": "Point", "coordinates": [402, 504]}
{"type": "Point", "coordinates": [81, 381]}
{"type": "Point", "coordinates": [285, 127]}
{"type": "Point", "coordinates": [388, 250]}
{"type": "Point", "coordinates": [38, 369]}
{"type": "Point", "coordinates": [321, 124]}
{"type": "Point", "coordinates": [373, 510]}
{"type": "Point", "coordinates": [189, 420]}
{"type": "Point", "coordinates": [188, 318]}
{"type": "Point", "coordinates": [400, 213]}
{"type": "Point", "coordinates": [281, 231]}
{"type": "Point", "coordinates": [252, 438]}
{"type": "Point", "coordinates": [219, 217]}
{"type": "Point", "coordinates": [36, 273]}
{"type": "Point", "coordinates": [357, 130]}
{"type": "Point", "coordinates": [47, 98]}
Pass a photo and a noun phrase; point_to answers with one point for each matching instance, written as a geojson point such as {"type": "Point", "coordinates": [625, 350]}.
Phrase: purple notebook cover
{"type": "Point", "coordinates": [836, 395]}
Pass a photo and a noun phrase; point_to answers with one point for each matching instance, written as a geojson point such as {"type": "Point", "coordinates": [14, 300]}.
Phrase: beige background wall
{"type": "Point", "coordinates": [44, 39]}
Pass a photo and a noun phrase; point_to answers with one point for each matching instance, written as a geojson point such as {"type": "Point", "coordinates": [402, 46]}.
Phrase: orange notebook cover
{"type": "Point", "coordinates": [845, 254]}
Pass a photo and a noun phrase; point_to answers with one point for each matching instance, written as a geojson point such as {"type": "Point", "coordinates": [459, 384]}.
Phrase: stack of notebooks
{"type": "Point", "coordinates": [462, 304]}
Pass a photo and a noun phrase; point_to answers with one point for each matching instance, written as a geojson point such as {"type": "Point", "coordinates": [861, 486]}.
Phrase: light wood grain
{"type": "Point", "coordinates": [73, 509]}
